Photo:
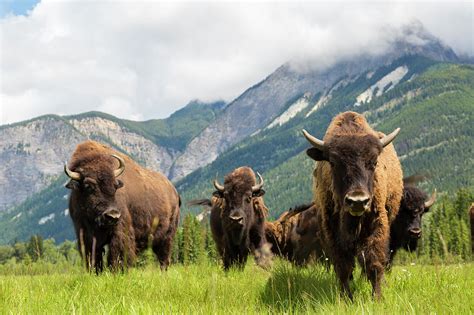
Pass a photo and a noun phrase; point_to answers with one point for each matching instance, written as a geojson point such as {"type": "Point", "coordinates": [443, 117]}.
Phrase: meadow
{"type": "Point", "coordinates": [205, 288]}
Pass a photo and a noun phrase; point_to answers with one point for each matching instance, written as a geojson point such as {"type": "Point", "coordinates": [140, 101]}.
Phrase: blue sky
{"type": "Point", "coordinates": [16, 7]}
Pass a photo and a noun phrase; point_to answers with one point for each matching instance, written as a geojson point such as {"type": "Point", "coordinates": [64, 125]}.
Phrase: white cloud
{"type": "Point", "coordinates": [142, 60]}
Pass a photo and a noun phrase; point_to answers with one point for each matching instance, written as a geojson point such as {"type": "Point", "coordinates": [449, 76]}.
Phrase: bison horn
{"type": "Point", "coordinates": [389, 138]}
{"type": "Point", "coordinates": [431, 201]}
{"type": "Point", "coordinates": [121, 167]}
{"type": "Point", "coordinates": [218, 186]}
{"type": "Point", "coordinates": [315, 142]}
{"type": "Point", "coordinates": [71, 174]}
{"type": "Point", "coordinates": [259, 186]}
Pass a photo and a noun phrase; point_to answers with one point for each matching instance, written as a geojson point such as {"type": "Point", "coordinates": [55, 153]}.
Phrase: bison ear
{"type": "Point", "coordinates": [258, 193]}
{"type": "Point", "coordinates": [118, 184]}
{"type": "Point", "coordinates": [218, 194]}
{"type": "Point", "coordinates": [317, 154]}
{"type": "Point", "coordinates": [72, 184]}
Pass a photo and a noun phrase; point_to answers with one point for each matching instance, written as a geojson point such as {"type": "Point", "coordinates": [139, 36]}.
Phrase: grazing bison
{"type": "Point", "coordinates": [405, 230]}
{"type": "Point", "coordinates": [295, 235]}
{"type": "Point", "coordinates": [357, 190]}
{"type": "Point", "coordinates": [118, 203]}
{"type": "Point", "coordinates": [237, 218]}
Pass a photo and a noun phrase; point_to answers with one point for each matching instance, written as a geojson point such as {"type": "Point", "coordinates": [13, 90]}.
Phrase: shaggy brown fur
{"type": "Point", "coordinates": [296, 237]}
{"type": "Point", "coordinates": [148, 205]}
{"type": "Point", "coordinates": [354, 159]}
{"type": "Point", "coordinates": [236, 239]}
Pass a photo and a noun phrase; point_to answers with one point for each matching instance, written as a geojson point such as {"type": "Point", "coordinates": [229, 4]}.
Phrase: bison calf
{"type": "Point", "coordinates": [118, 203]}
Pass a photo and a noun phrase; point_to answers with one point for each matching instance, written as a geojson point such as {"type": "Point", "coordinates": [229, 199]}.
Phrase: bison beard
{"type": "Point", "coordinates": [357, 191]}
{"type": "Point", "coordinates": [128, 212]}
{"type": "Point", "coordinates": [237, 219]}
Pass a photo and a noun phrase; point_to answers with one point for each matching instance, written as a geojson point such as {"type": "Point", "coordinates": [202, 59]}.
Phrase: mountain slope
{"type": "Point", "coordinates": [262, 103]}
{"type": "Point", "coordinates": [32, 152]}
{"type": "Point", "coordinates": [432, 103]}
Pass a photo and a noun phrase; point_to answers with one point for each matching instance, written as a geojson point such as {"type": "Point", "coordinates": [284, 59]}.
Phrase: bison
{"type": "Point", "coordinates": [295, 235]}
{"type": "Point", "coordinates": [237, 218]}
{"type": "Point", "coordinates": [405, 230]}
{"type": "Point", "coordinates": [357, 184]}
{"type": "Point", "coordinates": [118, 203]}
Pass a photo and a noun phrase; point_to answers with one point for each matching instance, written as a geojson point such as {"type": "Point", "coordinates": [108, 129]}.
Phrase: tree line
{"type": "Point", "coordinates": [446, 239]}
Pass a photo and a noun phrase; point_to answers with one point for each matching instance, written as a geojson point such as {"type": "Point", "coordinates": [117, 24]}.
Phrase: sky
{"type": "Point", "coordinates": [145, 59]}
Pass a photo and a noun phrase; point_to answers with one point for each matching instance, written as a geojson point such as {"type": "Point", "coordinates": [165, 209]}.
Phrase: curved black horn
{"type": "Point", "coordinates": [71, 174]}
{"type": "Point", "coordinates": [389, 138]}
{"type": "Point", "coordinates": [121, 167]}
{"type": "Point", "coordinates": [258, 186]}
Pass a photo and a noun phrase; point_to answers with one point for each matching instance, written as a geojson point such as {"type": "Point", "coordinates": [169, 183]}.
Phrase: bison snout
{"type": "Point", "coordinates": [415, 233]}
{"type": "Point", "coordinates": [357, 203]}
{"type": "Point", "coordinates": [109, 217]}
{"type": "Point", "coordinates": [237, 219]}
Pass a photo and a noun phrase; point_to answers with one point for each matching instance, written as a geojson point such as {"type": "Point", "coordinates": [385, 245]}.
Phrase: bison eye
{"type": "Point", "coordinates": [88, 187]}
{"type": "Point", "coordinates": [248, 199]}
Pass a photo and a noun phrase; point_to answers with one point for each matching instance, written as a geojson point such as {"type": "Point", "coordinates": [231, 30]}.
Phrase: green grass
{"type": "Point", "coordinates": [417, 289]}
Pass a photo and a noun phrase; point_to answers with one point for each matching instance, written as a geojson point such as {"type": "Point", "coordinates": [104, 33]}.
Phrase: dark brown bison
{"type": "Point", "coordinates": [405, 230]}
{"type": "Point", "coordinates": [357, 191]}
{"type": "Point", "coordinates": [237, 218]}
{"type": "Point", "coordinates": [118, 203]}
{"type": "Point", "coordinates": [295, 235]}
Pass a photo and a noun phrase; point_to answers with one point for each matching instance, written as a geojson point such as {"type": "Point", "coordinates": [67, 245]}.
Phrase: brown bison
{"type": "Point", "coordinates": [357, 191]}
{"type": "Point", "coordinates": [405, 230]}
{"type": "Point", "coordinates": [237, 218]}
{"type": "Point", "coordinates": [295, 235]}
{"type": "Point", "coordinates": [118, 203]}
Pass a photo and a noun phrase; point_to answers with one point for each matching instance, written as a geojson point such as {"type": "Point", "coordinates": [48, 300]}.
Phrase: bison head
{"type": "Point", "coordinates": [414, 204]}
{"type": "Point", "coordinates": [238, 192]}
{"type": "Point", "coordinates": [94, 181]}
{"type": "Point", "coordinates": [353, 159]}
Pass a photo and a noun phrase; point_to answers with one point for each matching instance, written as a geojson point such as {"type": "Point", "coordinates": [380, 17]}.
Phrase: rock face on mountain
{"type": "Point", "coordinates": [31, 155]}
{"type": "Point", "coordinates": [262, 103]}
{"type": "Point", "coordinates": [142, 149]}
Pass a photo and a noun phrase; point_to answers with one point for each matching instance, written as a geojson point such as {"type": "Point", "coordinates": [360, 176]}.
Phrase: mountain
{"type": "Point", "coordinates": [32, 153]}
{"type": "Point", "coordinates": [262, 103]}
{"type": "Point", "coordinates": [421, 88]}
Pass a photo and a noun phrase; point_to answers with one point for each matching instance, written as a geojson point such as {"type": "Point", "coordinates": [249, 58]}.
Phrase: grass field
{"type": "Point", "coordinates": [413, 289]}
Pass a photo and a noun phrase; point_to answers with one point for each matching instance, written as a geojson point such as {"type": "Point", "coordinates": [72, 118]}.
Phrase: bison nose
{"type": "Point", "coordinates": [112, 214]}
{"type": "Point", "coordinates": [357, 203]}
{"type": "Point", "coordinates": [415, 233]}
{"type": "Point", "coordinates": [237, 219]}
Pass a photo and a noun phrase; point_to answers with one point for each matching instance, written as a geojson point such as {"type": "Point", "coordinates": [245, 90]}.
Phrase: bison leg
{"type": "Point", "coordinates": [373, 262]}
{"type": "Point", "coordinates": [121, 251]}
{"type": "Point", "coordinates": [162, 250]}
{"type": "Point", "coordinates": [344, 269]}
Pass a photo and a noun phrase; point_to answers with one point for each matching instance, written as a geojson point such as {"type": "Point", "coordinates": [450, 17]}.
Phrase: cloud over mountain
{"type": "Point", "coordinates": [144, 60]}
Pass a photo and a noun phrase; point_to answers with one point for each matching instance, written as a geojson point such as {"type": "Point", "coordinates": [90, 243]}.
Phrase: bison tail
{"type": "Point", "coordinates": [199, 202]}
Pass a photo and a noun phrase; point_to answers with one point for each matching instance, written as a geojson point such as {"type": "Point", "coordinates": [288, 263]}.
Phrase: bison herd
{"type": "Point", "coordinates": [362, 209]}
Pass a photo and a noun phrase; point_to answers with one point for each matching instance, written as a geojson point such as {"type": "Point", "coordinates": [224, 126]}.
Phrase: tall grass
{"type": "Point", "coordinates": [205, 289]}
